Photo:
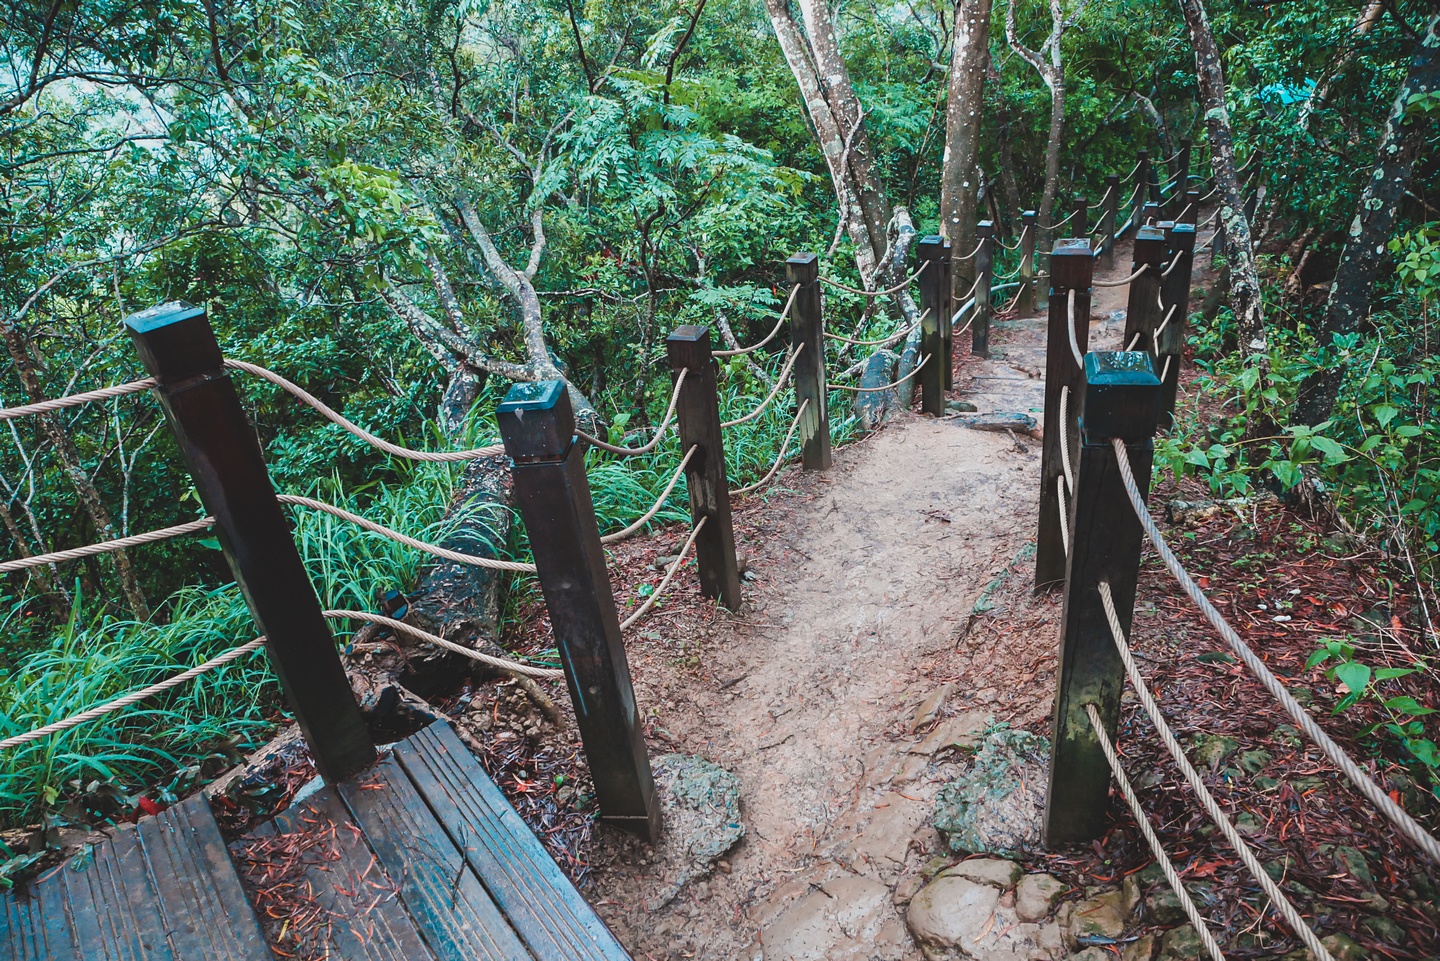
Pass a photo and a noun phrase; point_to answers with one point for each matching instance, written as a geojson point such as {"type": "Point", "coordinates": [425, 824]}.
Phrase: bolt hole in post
{"type": "Point", "coordinates": [552, 493]}
{"type": "Point", "coordinates": [1121, 401]}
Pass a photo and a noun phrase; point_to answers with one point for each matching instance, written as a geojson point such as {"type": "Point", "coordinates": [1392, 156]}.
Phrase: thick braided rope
{"type": "Point", "coordinates": [1166, 322]}
{"type": "Point", "coordinates": [1207, 800]}
{"type": "Point", "coordinates": [75, 400]}
{"type": "Point", "coordinates": [659, 431]}
{"type": "Point", "coordinates": [779, 458]}
{"type": "Point", "coordinates": [1136, 339]}
{"type": "Point", "coordinates": [369, 525]}
{"type": "Point", "coordinates": [1131, 172]}
{"type": "Point", "coordinates": [660, 502]}
{"type": "Point", "coordinates": [1208, 220]}
{"type": "Point", "coordinates": [898, 335]}
{"type": "Point", "coordinates": [892, 386]}
{"type": "Point", "coordinates": [779, 383]}
{"type": "Point", "coordinates": [876, 293]}
{"type": "Point", "coordinates": [1165, 370]}
{"type": "Point", "coordinates": [1161, 858]}
{"type": "Point", "coordinates": [1121, 283]}
{"type": "Point", "coordinates": [1070, 329]}
{"type": "Point", "coordinates": [120, 703]}
{"type": "Point", "coordinates": [1104, 197]}
{"type": "Point", "coordinates": [1372, 792]}
{"type": "Point", "coordinates": [1018, 240]}
{"type": "Point", "coordinates": [499, 663]}
{"type": "Point", "coordinates": [1065, 221]}
{"type": "Point", "coordinates": [1064, 515]}
{"type": "Point", "coordinates": [336, 418]}
{"type": "Point", "coordinates": [107, 547]}
{"type": "Point", "coordinates": [970, 254]}
{"type": "Point", "coordinates": [643, 609]}
{"type": "Point", "coordinates": [1170, 267]}
{"type": "Point", "coordinates": [779, 322]}
{"type": "Point", "coordinates": [1065, 437]}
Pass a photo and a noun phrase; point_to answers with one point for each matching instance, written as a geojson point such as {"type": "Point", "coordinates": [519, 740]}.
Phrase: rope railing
{"type": "Point", "coordinates": [473, 560]}
{"type": "Point", "coordinates": [779, 322]}
{"type": "Point", "coordinates": [1018, 240]}
{"type": "Point", "coordinates": [338, 419]}
{"type": "Point", "coordinates": [971, 254]}
{"type": "Point", "coordinates": [1336, 754]}
{"type": "Point", "coordinates": [1166, 322]}
{"type": "Point", "coordinates": [1277, 897]}
{"type": "Point", "coordinates": [1135, 340]}
{"type": "Point", "coordinates": [898, 335]}
{"type": "Point", "coordinates": [1064, 515]}
{"type": "Point", "coordinates": [75, 400]}
{"type": "Point", "coordinates": [645, 518]}
{"type": "Point", "coordinates": [860, 291]}
{"type": "Point", "coordinates": [779, 458]}
{"type": "Point", "coordinates": [499, 663]}
{"type": "Point", "coordinates": [1167, 867]}
{"type": "Point", "coordinates": [1121, 283]}
{"type": "Point", "coordinates": [107, 547]}
{"type": "Point", "coordinates": [1175, 261]}
{"type": "Point", "coordinates": [1060, 223]}
{"type": "Point", "coordinates": [1101, 202]}
{"type": "Point", "coordinates": [1070, 329]}
{"type": "Point", "coordinates": [1165, 370]}
{"type": "Point", "coordinates": [780, 382]}
{"type": "Point", "coordinates": [659, 431]}
{"type": "Point", "coordinates": [892, 386]}
{"type": "Point", "coordinates": [643, 609]}
{"type": "Point", "coordinates": [1065, 441]}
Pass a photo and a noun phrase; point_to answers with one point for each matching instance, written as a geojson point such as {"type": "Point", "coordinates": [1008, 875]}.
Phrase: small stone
{"type": "Point", "coordinates": [948, 911]}
{"type": "Point", "coordinates": [662, 563]}
{"type": "Point", "coordinates": [1103, 916]}
{"type": "Point", "coordinates": [1211, 750]}
{"type": "Point", "coordinates": [1141, 949]}
{"type": "Point", "coordinates": [1162, 906]}
{"type": "Point", "coordinates": [908, 888]}
{"type": "Point", "coordinates": [1130, 896]}
{"type": "Point", "coordinates": [930, 708]}
{"type": "Point", "coordinates": [963, 406]}
{"type": "Point", "coordinates": [964, 730]}
{"type": "Point", "coordinates": [1035, 895]}
{"type": "Point", "coordinates": [1352, 862]}
{"type": "Point", "coordinates": [995, 806]}
{"type": "Point", "coordinates": [1001, 874]}
{"type": "Point", "coordinates": [723, 867]}
{"type": "Point", "coordinates": [1090, 954]}
{"type": "Point", "coordinates": [1342, 948]}
{"type": "Point", "coordinates": [1181, 944]}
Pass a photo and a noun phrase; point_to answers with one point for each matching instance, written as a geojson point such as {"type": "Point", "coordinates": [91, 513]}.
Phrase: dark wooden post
{"type": "Point", "coordinates": [1121, 397]}
{"type": "Point", "coordinates": [1080, 227]}
{"type": "Point", "coordinates": [1072, 266]}
{"type": "Point", "coordinates": [1142, 310]}
{"type": "Point", "coordinates": [807, 327]}
{"type": "Point", "coordinates": [1181, 174]}
{"type": "Point", "coordinates": [1142, 181]}
{"type": "Point", "coordinates": [932, 343]}
{"type": "Point", "coordinates": [553, 494]}
{"type": "Point", "coordinates": [947, 315]}
{"type": "Point", "coordinates": [1028, 231]}
{"type": "Point", "coordinates": [1175, 297]}
{"type": "Point", "coordinates": [698, 412]}
{"type": "Point", "coordinates": [1109, 219]}
{"type": "Point", "coordinates": [178, 348]}
{"type": "Point", "coordinates": [984, 278]}
{"type": "Point", "coordinates": [1191, 208]}
{"type": "Point", "coordinates": [1151, 214]}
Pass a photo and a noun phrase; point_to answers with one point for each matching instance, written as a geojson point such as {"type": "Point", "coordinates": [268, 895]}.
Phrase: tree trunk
{"type": "Point", "coordinates": [45, 577]}
{"type": "Point", "coordinates": [1245, 298]}
{"type": "Point", "coordinates": [85, 490]}
{"type": "Point", "coordinates": [1056, 83]}
{"type": "Point", "coordinates": [1373, 223]}
{"type": "Point", "coordinates": [1006, 173]}
{"type": "Point", "coordinates": [1157, 120]}
{"type": "Point", "coordinates": [964, 111]}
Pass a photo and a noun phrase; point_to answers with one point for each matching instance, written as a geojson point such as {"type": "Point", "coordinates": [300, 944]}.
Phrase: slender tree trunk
{"type": "Point", "coordinates": [1006, 173]}
{"type": "Point", "coordinates": [969, 64]}
{"type": "Point", "coordinates": [1374, 220]}
{"type": "Point", "coordinates": [56, 597]}
{"type": "Point", "coordinates": [1245, 298]}
{"type": "Point", "coordinates": [1157, 120]}
{"type": "Point", "coordinates": [85, 490]}
{"type": "Point", "coordinates": [1056, 83]}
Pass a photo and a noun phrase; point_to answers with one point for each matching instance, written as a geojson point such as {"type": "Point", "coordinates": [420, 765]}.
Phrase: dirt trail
{"type": "Point", "coordinates": [901, 573]}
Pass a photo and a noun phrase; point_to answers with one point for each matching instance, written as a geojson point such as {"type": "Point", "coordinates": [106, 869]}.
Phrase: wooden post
{"type": "Point", "coordinates": [807, 327]}
{"type": "Point", "coordinates": [1121, 397]}
{"type": "Point", "coordinates": [947, 315]}
{"type": "Point", "coordinates": [1142, 310]}
{"type": "Point", "coordinates": [1175, 296]}
{"type": "Point", "coordinates": [1191, 208]}
{"type": "Point", "coordinates": [1080, 226]}
{"type": "Point", "coordinates": [1028, 231]}
{"type": "Point", "coordinates": [1142, 181]}
{"type": "Point", "coordinates": [178, 347]}
{"type": "Point", "coordinates": [932, 344]}
{"type": "Point", "coordinates": [698, 412]}
{"type": "Point", "coordinates": [1151, 214]}
{"type": "Point", "coordinates": [1181, 173]}
{"type": "Point", "coordinates": [1109, 219]}
{"type": "Point", "coordinates": [984, 278]}
{"type": "Point", "coordinates": [553, 495]}
{"type": "Point", "coordinates": [1072, 266]}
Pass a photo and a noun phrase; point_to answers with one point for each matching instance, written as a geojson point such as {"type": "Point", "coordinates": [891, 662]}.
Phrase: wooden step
{"type": "Point", "coordinates": [165, 891]}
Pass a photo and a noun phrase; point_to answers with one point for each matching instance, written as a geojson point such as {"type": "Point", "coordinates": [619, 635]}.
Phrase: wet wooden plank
{"type": "Point", "coordinates": [203, 905]}
{"type": "Point", "coordinates": [34, 925]}
{"type": "Point", "coordinates": [442, 892]}
{"type": "Point", "coordinates": [113, 907]}
{"type": "Point", "coordinates": [366, 919]}
{"type": "Point", "coordinates": [544, 908]}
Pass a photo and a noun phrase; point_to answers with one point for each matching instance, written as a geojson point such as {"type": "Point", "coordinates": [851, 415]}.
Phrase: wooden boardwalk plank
{"type": "Point", "coordinates": [366, 920]}
{"type": "Point", "coordinates": [35, 926]}
{"type": "Point", "coordinates": [445, 898]}
{"type": "Point", "coordinates": [550, 916]}
{"type": "Point", "coordinates": [205, 910]}
{"type": "Point", "coordinates": [113, 906]}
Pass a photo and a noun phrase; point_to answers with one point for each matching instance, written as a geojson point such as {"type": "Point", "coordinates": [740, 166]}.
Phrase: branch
{"type": "Point", "coordinates": [580, 46]}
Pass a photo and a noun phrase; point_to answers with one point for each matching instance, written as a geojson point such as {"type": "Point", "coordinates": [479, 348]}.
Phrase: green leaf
{"type": "Point", "coordinates": [1334, 453]}
{"type": "Point", "coordinates": [1354, 676]}
{"type": "Point", "coordinates": [1384, 413]}
{"type": "Point", "coordinates": [1407, 705]}
{"type": "Point", "coordinates": [1390, 673]}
